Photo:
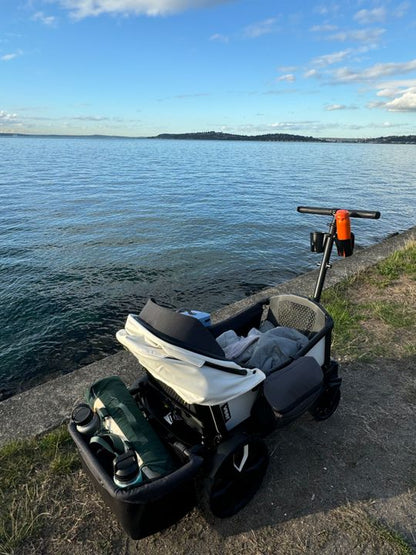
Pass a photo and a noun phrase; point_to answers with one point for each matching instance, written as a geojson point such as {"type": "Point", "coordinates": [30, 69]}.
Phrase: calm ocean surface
{"type": "Point", "coordinates": [90, 228]}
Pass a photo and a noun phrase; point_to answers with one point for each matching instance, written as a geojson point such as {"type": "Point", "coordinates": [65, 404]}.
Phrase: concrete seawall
{"type": "Point", "coordinates": [48, 405]}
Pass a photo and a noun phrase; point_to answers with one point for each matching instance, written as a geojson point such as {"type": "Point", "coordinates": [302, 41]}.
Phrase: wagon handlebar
{"type": "Point", "coordinates": [373, 215]}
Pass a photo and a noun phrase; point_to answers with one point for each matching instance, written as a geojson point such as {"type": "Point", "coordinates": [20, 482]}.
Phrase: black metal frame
{"type": "Point", "coordinates": [330, 238]}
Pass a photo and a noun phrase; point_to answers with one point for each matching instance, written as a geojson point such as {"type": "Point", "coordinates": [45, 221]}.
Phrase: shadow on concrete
{"type": "Point", "coordinates": [364, 453]}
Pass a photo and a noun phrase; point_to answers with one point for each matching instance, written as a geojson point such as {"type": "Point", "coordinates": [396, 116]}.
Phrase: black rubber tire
{"type": "Point", "coordinates": [227, 490]}
{"type": "Point", "coordinates": [326, 404]}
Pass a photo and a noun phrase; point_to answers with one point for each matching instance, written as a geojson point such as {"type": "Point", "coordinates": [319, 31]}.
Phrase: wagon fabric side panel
{"type": "Point", "coordinates": [190, 374]}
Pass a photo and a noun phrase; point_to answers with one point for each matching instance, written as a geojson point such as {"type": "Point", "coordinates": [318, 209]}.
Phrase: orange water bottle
{"type": "Point", "coordinates": [344, 238]}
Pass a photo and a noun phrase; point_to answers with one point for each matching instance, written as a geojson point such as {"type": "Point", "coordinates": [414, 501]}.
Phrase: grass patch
{"type": "Point", "coordinates": [372, 536]}
{"type": "Point", "coordinates": [47, 504]}
{"type": "Point", "coordinates": [28, 469]}
{"type": "Point", "coordinates": [371, 319]}
{"type": "Point", "coordinates": [399, 263]}
{"type": "Point", "coordinates": [393, 314]}
{"type": "Point", "coordinates": [20, 519]}
{"type": "Point", "coordinates": [347, 319]}
{"type": "Point", "coordinates": [393, 538]}
{"type": "Point", "coordinates": [20, 460]}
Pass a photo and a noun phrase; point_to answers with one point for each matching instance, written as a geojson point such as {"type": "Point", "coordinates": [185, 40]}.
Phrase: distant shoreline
{"type": "Point", "coordinates": [218, 136]}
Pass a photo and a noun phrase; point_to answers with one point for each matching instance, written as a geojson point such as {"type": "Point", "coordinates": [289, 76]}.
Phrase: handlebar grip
{"type": "Point", "coordinates": [374, 215]}
{"type": "Point", "coordinates": [316, 210]}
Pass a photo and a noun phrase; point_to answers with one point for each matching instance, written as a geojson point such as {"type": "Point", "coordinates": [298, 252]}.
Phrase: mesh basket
{"type": "Point", "coordinates": [299, 313]}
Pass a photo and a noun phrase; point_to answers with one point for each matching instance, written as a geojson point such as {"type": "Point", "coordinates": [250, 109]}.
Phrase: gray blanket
{"type": "Point", "coordinates": [266, 348]}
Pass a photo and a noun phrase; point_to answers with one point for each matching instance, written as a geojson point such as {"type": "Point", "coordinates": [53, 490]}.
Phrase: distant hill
{"type": "Point", "coordinates": [217, 136]}
{"type": "Point", "coordinates": [394, 139]}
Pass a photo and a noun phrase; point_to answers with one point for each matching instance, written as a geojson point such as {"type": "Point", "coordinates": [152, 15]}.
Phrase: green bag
{"type": "Point", "coordinates": [127, 428]}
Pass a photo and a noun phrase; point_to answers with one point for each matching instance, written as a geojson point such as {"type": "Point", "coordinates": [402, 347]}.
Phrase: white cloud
{"type": "Point", "coordinates": [289, 77]}
{"type": "Point", "coordinates": [365, 17]}
{"type": "Point", "coordinates": [11, 56]}
{"type": "Point", "coordinates": [85, 8]}
{"type": "Point", "coordinates": [312, 127]}
{"type": "Point", "coordinates": [401, 95]}
{"type": "Point", "coordinates": [293, 125]}
{"type": "Point", "coordinates": [261, 28]}
{"type": "Point", "coordinates": [334, 58]}
{"type": "Point", "coordinates": [48, 20]}
{"type": "Point", "coordinates": [404, 103]}
{"type": "Point", "coordinates": [7, 118]}
{"type": "Point", "coordinates": [323, 28]}
{"type": "Point", "coordinates": [397, 84]}
{"type": "Point", "coordinates": [92, 118]}
{"type": "Point", "coordinates": [333, 107]}
{"type": "Point", "coordinates": [360, 35]}
{"type": "Point", "coordinates": [287, 69]}
{"type": "Point", "coordinates": [253, 31]}
{"type": "Point", "coordinates": [346, 75]}
{"type": "Point", "coordinates": [373, 104]}
{"type": "Point", "coordinates": [311, 73]}
{"type": "Point", "coordinates": [401, 9]}
{"type": "Point", "coordinates": [327, 9]}
{"type": "Point", "coordinates": [219, 38]}
{"type": "Point", "coordinates": [389, 93]}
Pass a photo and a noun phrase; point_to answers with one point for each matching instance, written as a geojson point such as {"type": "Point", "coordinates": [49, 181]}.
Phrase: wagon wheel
{"type": "Point", "coordinates": [326, 404]}
{"type": "Point", "coordinates": [238, 470]}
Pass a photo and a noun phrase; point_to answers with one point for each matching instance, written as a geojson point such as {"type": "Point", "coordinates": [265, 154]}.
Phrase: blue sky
{"type": "Point", "coordinates": [143, 67]}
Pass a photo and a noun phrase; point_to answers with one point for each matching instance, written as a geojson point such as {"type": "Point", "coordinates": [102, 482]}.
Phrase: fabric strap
{"type": "Point", "coordinates": [111, 443]}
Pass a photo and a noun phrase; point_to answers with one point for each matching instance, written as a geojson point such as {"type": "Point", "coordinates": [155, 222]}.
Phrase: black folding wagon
{"type": "Point", "coordinates": [191, 429]}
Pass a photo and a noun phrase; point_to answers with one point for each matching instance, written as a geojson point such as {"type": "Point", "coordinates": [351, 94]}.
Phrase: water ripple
{"type": "Point", "coordinates": [90, 228]}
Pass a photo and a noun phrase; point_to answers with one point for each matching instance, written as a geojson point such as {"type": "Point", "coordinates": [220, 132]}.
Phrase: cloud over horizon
{"type": "Point", "coordinates": [6, 118]}
{"type": "Point", "coordinates": [87, 8]}
{"type": "Point", "coordinates": [377, 71]}
{"type": "Point", "coordinates": [404, 103]}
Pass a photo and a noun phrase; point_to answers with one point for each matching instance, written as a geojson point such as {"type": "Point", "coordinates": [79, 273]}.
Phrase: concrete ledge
{"type": "Point", "coordinates": [48, 405]}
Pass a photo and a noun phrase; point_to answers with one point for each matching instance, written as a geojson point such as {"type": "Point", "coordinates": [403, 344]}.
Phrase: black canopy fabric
{"type": "Point", "coordinates": [179, 329]}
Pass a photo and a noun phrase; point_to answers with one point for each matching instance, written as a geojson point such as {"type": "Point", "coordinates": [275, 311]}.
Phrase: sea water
{"type": "Point", "coordinates": [90, 228]}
